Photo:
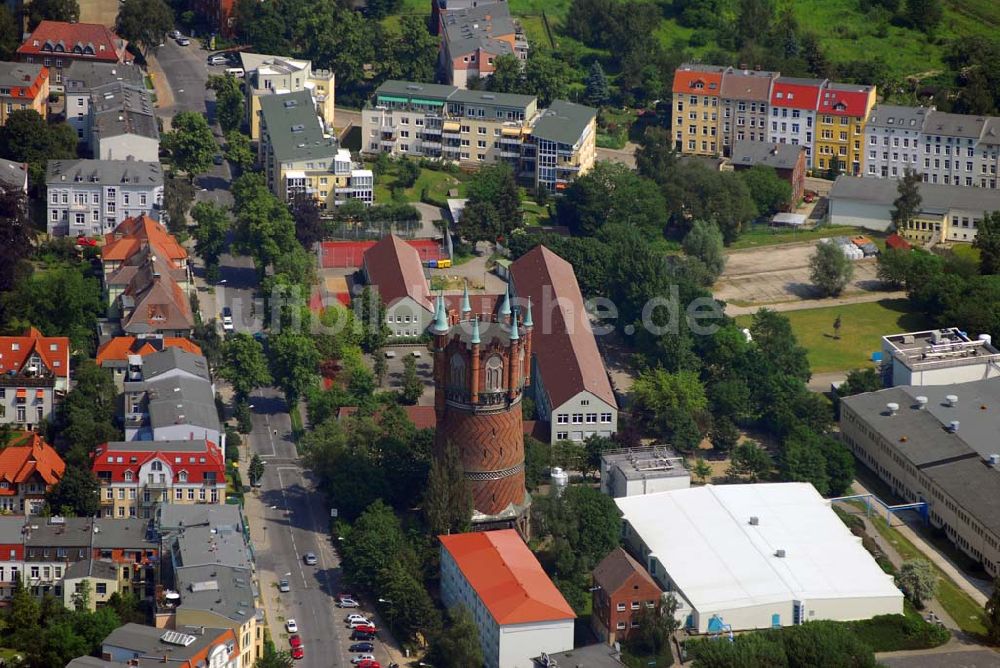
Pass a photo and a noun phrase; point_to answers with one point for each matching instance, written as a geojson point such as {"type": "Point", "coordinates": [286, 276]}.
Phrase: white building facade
{"type": "Point", "coordinates": [90, 197]}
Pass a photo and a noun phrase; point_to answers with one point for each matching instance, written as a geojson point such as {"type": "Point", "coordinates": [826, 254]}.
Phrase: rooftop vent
{"type": "Point", "coordinates": [952, 400]}
{"type": "Point", "coordinates": [177, 638]}
{"type": "Point", "coordinates": [892, 407]}
{"type": "Point", "coordinates": [780, 554]}
{"type": "Point", "coordinates": [754, 521]}
{"type": "Point", "coordinates": [921, 403]}
{"type": "Point", "coordinates": [291, 103]}
{"type": "Point", "coordinates": [953, 426]}
{"type": "Point", "coordinates": [994, 460]}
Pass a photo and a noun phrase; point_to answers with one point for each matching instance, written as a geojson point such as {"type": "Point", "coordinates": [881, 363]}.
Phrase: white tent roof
{"type": "Point", "coordinates": [703, 538]}
{"type": "Point", "coordinates": [794, 219]}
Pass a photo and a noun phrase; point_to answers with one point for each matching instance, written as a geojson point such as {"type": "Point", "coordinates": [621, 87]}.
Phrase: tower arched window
{"type": "Point", "coordinates": [494, 374]}
{"type": "Point", "coordinates": [457, 376]}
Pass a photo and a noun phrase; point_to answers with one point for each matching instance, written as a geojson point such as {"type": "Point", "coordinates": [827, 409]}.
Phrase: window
{"type": "Point", "coordinates": [577, 418]}
{"type": "Point", "coordinates": [494, 374]}
{"type": "Point", "coordinates": [562, 435]}
{"type": "Point", "coordinates": [562, 418]}
{"type": "Point", "coordinates": [620, 626]}
{"type": "Point", "coordinates": [102, 588]}
{"type": "Point", "coordinates": [621, 607]}
{"type": "Point", "coordinates": [635, 605]}
{"type": "Point", "coordinates": [179, 494]}
{"type": "Point", "coordinates": [606, 418]}
{"type": "Point", "coordinates": [591, 418]}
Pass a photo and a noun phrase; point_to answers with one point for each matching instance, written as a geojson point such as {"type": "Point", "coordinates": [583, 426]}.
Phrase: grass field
{"type": "Point", "coordinates": [763, 235]}
{"type": "Point", "coordinates": [862, 326]}
{"type": "Point", "coordinates": [438, 184]}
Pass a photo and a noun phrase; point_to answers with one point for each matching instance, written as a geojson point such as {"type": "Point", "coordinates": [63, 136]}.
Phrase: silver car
{"type": "Point", "coordinates": [310, 559]}
{"type": "Point", "coordinates": [284, 586]}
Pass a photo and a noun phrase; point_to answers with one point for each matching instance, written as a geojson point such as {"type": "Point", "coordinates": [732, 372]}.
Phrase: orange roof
{"type": "Point", "coordinates": [52, 350]}
{"type": "Point", "coordinates": [507, 577]}
{"type": "Point", "coordinates": [699, 79]}
{"type": "Point", "coordinates": [119, 348]}
{"type": "Point", "coordinates": [130, 236]}
{"type": "Point", "coordinates": [394, 267]}
{"type": "Point", "coordinates": [28, 455]}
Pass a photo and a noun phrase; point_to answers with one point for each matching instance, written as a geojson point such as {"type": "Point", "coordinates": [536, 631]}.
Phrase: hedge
{"type": "Point", "coordinates": [891, 633]}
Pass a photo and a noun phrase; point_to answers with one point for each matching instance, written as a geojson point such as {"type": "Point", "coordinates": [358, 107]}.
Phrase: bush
{"type": "Point", "coordinates": [892, 633]}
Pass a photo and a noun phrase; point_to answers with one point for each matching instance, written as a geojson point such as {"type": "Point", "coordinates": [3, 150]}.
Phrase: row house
{"type": "Point", "coordinates": [82, 78]}
{"type": "Point", "coordinates": [473, 36]}
{"type": "Point", "coordinates": [944, 148]}
{"type": "Point", "coordinates": [56, 44]}
{"type": "Point", "coordinates": [745, 95]}
{"type": "Point", "coordinates": [90, 197]}
{"type": "Point", "coordinates": [23, 86]}
{"type": "Point", "coordinates": [55, 544]}
{"type": "Point", "coordinates": [29, 467]}
{"type": "Point", "coordinates": [546, 147]}
{"type": "Point", "coordinates": [841, 116]}
{"type": "Point", "coordinates": [12, 528]}
{"type": "Point", "coordinates": [119, 353]}
{"type": "Point", "coordinates": [34, 376]}
{"type": "Point", "coordinates": [140, 646]}
{"type": "Point", "coordinates": [265, 75]}
{"type": "Point", "coordinates": [137, 476]}
{"type": "Point", "coordinates": [697, 90]}
{"type": "Point", "coordinates": [122, 125]}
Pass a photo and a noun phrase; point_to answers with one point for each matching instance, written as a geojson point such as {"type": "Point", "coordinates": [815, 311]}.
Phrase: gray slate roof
{"type": "Point", "coordinates": [935, 196]}
{"type": "Point", "coordinates": [231, 596]}
{"type": "Point", "coordinates": [12, 174]}
{"type": "Point", "coordinates": [193, 404]}
{"type": "Point", "coordinates": [954, 125]}
{"type": "Point", "coordinates": [471, 28]}
{"type": "Point", "coordinates": [123, 109]}
{"type": "Point", "coordinates": [293, 127]}
{"type": "Point", "coordinates": [11, 527]}
{"type": "Point", "coordinates": [92, 568]}
{"type": "Point", "coordinates": [103, 173]}
{"type": "Point", "coordinates": [169, 359]}
{"type": "Point", "coordinates": [894, 116]}
{"type": "Point", "coordinates": [81, 76]}
{"type": "Point", "coordinates": [147, 640]}
{"type": "Point", "coordinates": [195, 445]}
{"type": "Point", "coordinates": [79, 532]}
{"type": "Point", "coordinates": [16, 75]}
{"type": "Point", "coordinates": [174, 516]}
{"type": "Point", "coordinates": [563, 122]}
{"type": "Point", "coordinates": [778, 156]}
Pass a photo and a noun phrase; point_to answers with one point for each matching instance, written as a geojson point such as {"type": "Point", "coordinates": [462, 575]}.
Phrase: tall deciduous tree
{"type": "Point", "coordinates": [770, 192]}
{"type": "Point", "coordinates": [413, 387]}
{"type": "Point", "coordinates": [76, 494]}
{"type": "Point", "coordinates": [988, 242]}
{"type": "Point", "coordinates": [507, 76]}
{"type": "Point", "coordinates": [371, 315]}
{"type": "Point", "coordinates": [309, 226]}
{"type": "Point", "coordinates": [992, 617]}
{"type": "Point", "coordinates": [244, 365]}
{"type": "Point", "coordinates": [229, 101]}
{"type": "Point", "coordinates": [924, 15]}
{"type": "Point", "coordinates": [211, 226]}
{"type": "Point", "coordinates": [750, 459]}
{"type": "Point", "coordinates": [612, 193]}
{"type": "Point", "coordinates": [191, 143]}
{"type": "Point", "coordinates": [457, 646]}
{"type": "Point", "coordinates": [273, 658]}
{"type": "Point", "coordinates": [9, 34]}
{"type": "Point", "coordinates": [918, 580]}
{"type": "Point", "coordinates": [145, 23]}
{"type": "Point", "coordinates": [27, 137]}
{"type": "Point", "coordinates": [494, 207]}
{"type": "Point", "coordinates": [238, 150]}
{"type": "Point", "coordinates": [256, 470]}
{"type": "Point", "coordinates": [16, 235]}
{"type": "Point", "coordinates": [178, 193]}
{"type": "Point", "coordinates": [67, 11]}
{"type": "Point", "coordinates": [704, 242]}
{"type": "Point", "coordinates": [907, 204]}
{"type": "Point", "coordinates": [830, 270]}
{"type": "Point", "coordinates": [294, 363]}
{"type": "Point", "coordinates": [411, 54]}
{"type": "Point", "coordinates": [448, 499]}
{"type": "Point", "coordinates": [545, 77]}
{"type": "Point", "coordinates": [372, 544]}
{"type": "Point", "coordinates": [62, 301]}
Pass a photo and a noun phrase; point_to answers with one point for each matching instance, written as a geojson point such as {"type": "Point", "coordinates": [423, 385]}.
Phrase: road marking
{"type": "Point", "coordinates": [291, 534]}
{"type": "Point", "coordinates": [270, 434]}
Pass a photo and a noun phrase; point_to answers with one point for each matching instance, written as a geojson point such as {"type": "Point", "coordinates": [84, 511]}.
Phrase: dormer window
{"type": "Point", "coordinates": [182, 476]}
{"type": "Point", "coordinates": [128, 476]}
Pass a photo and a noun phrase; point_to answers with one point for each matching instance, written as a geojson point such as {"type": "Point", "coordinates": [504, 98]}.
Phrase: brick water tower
{"type": "Point", "coordinates": [482, 363]}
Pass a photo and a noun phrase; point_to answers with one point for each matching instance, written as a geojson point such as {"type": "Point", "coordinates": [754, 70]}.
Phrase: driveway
{"type": "Point", "coordinates": [625, 156]}
{"type": "Point", "coordinates": [184, 70]}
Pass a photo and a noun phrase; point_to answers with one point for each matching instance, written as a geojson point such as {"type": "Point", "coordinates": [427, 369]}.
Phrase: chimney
{"type": "Point", "coordinates": [952, 400]}
{"type": "Point", "coordinates": [754, 521]}
{"type": "Point", "coordinates": [953, 426]}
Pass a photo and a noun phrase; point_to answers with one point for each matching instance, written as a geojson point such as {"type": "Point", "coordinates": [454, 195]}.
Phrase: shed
{"type": "Point", "coordinates": [788, 220]}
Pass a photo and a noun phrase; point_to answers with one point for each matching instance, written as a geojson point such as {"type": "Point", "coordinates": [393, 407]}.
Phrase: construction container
{"type": "Point", "coordinates": [443, 264]}
{"type": "Point", "coordinates": [432, 264]}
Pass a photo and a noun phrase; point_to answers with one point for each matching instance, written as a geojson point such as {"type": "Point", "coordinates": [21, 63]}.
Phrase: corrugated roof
{"type": "Point", "coordinates": [507, 577]}
{"type": "Point", "coordinates": [564, 345]}
{"type": "Point", "coordinates": [394, 266]}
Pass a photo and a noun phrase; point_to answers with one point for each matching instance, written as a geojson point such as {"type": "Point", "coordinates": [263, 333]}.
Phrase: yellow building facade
{"type": "Point", "coordinates": [697, 90]}
{"type": "Point", "coordinates": [841, 116]}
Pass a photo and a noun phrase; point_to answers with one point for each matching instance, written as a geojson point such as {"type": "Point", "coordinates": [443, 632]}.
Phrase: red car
{"type": "Point", "coordinates": [369, 663]}
{"type": "Point", "coordinates": [366, 628]}
{"type": "Point", "coordinates": [85, 241]}
{"type": "Point", "coordinates": [300, 653]}
{"type": "Point", "coordinates": [295, 641]}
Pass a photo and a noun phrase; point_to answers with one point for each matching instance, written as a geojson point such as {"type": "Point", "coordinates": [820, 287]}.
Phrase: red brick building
{"type": "Point", "coordinates": [621, 587]}
{"type": "Point", "coordinates": [788, 161]}
{"type": "Point", "coordinates": [218, 14]}
{"type": "Point", "coordinates": [482, 363]}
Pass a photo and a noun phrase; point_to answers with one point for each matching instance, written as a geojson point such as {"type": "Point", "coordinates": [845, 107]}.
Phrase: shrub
{"type": "Point", "coordinates": [891, 633]}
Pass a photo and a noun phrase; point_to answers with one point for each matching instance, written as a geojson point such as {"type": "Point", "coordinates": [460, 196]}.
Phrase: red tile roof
{"type": "Point", "coordinates": [617, 568]}
{"type": "Point", "coordinates": [132, 234]}
{"type": "Point", "coordinates": [562, 341]}
{"type": "Point", "coordinates": [123, 453]}
{"type": "Point", "coordinates": [507, 577]}
{"type": "Point", "coordinates": [394, 266]}
{"type": "Point", "coordinates": [481, 304]}
{"type": "Point", "coordinates": [897, 242]}
{"type": "Point", "coordinates": [422, 417]}
{"type": "Point", "coordinates": [119, 348]}
{"type": "Point", "coordinates": [53, 351]}
{"type": "Point", "coordinates": [345, 254]}
{"type": "Point", "coordinates": [25, 80]}
{"type": "Point", "coordinates": [29, 455]}
{"type": "Point", "coordinates": [846, 100]}
{"type": "Point", "coordinates": [796, 93]}
{"type": "Point", "coordinates": [698, 79]}
{"type": "Point", "coordinates": [83, 41]}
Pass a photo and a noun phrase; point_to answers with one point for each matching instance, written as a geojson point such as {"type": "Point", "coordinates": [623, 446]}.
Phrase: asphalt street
{"type": "Point", "coordinates": [187, 71]}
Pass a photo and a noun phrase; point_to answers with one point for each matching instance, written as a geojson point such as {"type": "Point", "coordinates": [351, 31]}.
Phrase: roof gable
{"type": "Point", "coordinates": [394, 267]}
{"type": "Point", "coordinates": [52, 351]}
{"type": "Point", "coordinates": [616, 569]}
{"type": "Point", "coordinates": [27, 456]}
{"type": "Point", "coordinates": [89, 40]}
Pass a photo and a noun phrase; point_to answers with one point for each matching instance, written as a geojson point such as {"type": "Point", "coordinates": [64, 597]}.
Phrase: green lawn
{"type": "Point", "coordinates": [438, 183]}
{"type": "Point", "coordinates": [764, 235]}
{"type": "Point", "coordinates": [862, 326]}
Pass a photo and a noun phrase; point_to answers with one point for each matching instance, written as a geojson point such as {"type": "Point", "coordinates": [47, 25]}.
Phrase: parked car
{"type": "Point", "coordinates": [217, 59]}
{"type": "Point", "coordinates": [284, 586]}
{"type": "Point", "coordinates": [298, 653]}
{"type": "Point", "coordinates": [360, 622]}
{"type": "Point", "coordinates": [291, 626]}
{"type": "Point", "coordinates": [390, 354]}
{"type": "Point", "coordinates": [362, 647]}
{"type": "Point", "coordinates": [295, 641]}
{"type": "Point", "coordinates": [369, 663]}
{"type": "Point", "coordinates": [366, 628]}
{"type": "Point", "coordinates": [356, 618]}
{"type": "Point", "coordinates": [348, 603]}
{"type": "Point", "coordinates": [363, 657]}
{"type": "Point", "coordinates": [227, 319]}
{"type": "Point", "coordinates": [357, 635]}
{"type": "Point", "coordinates": [310, 559]}
{"type": "Point", "coordinates": [217, 159]}
{"type": "Point", "coordinates": [174, 34]}
{"type": "Point", "coordinates": [183, 41]}
{"type": "Point", "coordinates": [85, 241]}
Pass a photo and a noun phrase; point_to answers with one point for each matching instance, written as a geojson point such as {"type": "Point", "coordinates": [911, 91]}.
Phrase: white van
{"type": "Point", "coordinates": [235, 71]}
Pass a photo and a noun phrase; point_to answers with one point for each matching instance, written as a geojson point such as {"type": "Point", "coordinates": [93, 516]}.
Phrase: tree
{"type": "Point", "coordinates": [407, 173]}
{"type": "Point", "coordinates": [457, 645]}
{"type": "Point", "coordinates": [907, 204]}
{"type": "Point", "coordinates": [410, 55]}
{"type": "Point", "coordinates": [992, 616]}
{"type": "Point", "coordinates": [238, 150]}
{"type": "Point", "coordinates": [374, 331]}
{"type": "Point", "coordinates": [704, 242]}
{"type": "Point", "coordinates": [701, 470]}
{"type": "Point", "coordinates": [918, 580]}
{"type": "Point", "coordinates": [674, 403]}
{"type": "Point", "coordinates": [145, 23]}
{"type": "Point", "coordinates": [924, 15]}
{"type": "Point", "coordinates": [372, 544]}
{"type": "Point", "coordinates": [595, 446]}
{"type": "Point", "coordinates": [598, 92]}
{"type": "Point", "coordinates": [86, 416]}
{"type": "Point", "coordinates": [750, 459]}
{"type": "Point", "coordinates": [256, 470]}
{"type": "Point", "coordinates": [656, 625]}
{"type": "Point", "coordinates": [9, 34]}
{"type": "Point", "coordinates": [16, 237]}
{"type": "Point", "coordinates": [67, 11]}
{"type": "Point", "coordinates": [988, 242]}
{"type": "Point", "coordinates": [830, 270]}
{"type": "Point", "coordinates": [448, 499]}
{"type": "Point", "coordinates": [773, 337]}
{"type": "Point", "coordinates": [493, 210]}
{"type": "Point", "coordinates": [244, 365]}
{"type": "Point", "coordinates": [22, 616]}
{"type": "Point", "coordinates": [178, 194]}
{"type": "Point", "coordinates": [611, 193]}
{"type": "Point", "coordinates": [62, 301]}
{"type": "Point", "coordinates": [894, 266]}
{"type": "Point", "coordinates": [545, 77]}
{"type": "Point", "coordinates": [229, 99]}
{"type": "Point", "coordinates": [769, 192]}
{"type": "Point", "coordinates": [273, 658]}
{"type": "Point", "coordinates": [379, 368]}
{"type": "Point", "coordinates": [754, 19]}
{"type": "Point", "coordinates": [294, 363]}
{"type": "Point", "coordinates": [309, 226]}
{"type": "Point", "coordinates": [27, 137]}
{"type": "Point", "coordinates": [211, 226]}
{"type": "Point", "coordinates": [191, 143]}
{"type": "Point", "coordinates": [379, 9]}
{"type": "Point", "coordinates": [76, 494]}
{"type": "Point", "coordinates": [507, 76]}
{"type": "Point", "coordinates": [406, 602]}
{"type": "Point", "coordinates": [725, 435]}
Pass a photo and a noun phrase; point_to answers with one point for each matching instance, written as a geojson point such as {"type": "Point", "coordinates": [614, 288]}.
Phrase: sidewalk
{"type": "Point", "coordinates": [164, 95]}
{"type": "Point", "coordinates": [805, 304]}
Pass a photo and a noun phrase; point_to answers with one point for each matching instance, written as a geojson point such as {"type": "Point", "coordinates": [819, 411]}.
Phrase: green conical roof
{"type": "Point", "coordinates": [440, 325]}
{"type": "Point", "coordinates": [475, 331]}
{"type": "Point", "coordinates": [514, 336]}
{"type": "Point", "coordinates": [466, 306]}
{"type": "Point", "coordinates": [528, 322]}
{"type": "Point", "coordinates": [505, 306]}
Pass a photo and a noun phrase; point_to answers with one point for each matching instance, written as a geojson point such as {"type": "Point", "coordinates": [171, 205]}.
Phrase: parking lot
{"type": "Point", "coordinates": [394, 376]}
{"type": "Point", "coordinates": [775, 274]}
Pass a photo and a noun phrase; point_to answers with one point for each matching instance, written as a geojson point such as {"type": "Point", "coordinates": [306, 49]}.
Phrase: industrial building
{"type": "Point", "coordinates": [938, 445]}
{"type": "Point", "coordinates": [755, 556]}
{"type": "Point", "coordinates": [633, 471]}
{"type": "Point", "coordinates": [938, 357]}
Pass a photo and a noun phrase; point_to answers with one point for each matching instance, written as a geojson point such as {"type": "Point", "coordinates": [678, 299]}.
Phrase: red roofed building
{"type": "Point", "coordinates": [393, 268]}
{"type": "Point", "coordinates": [841, 117]}
{"type": "Point", "coordinates": [115, 354]}
{"type": "Point", "coordinates": [622, 587]}
{"type": "Point", "coordinates": [34, 375]}
{"type": "Point", "coordinates": [793, 112]}
{"type": "Point", "coordinates": [519, 612]}
{"type": "Point", "coordinates": [23, 86]}
{"type": "Point", "coordinates": [55, 43]}
{"type": "Point", "coordinates": [697, 90]}
{"type": "Point", "coordinates": [132, 235]}
{"type": "Point", "coordinates": [570, 383]}
{"type": "Point", "coordinates": [897, 242]}
{"type": "Point", "coordinates": [29, 467]}
{"type": "Point", "coordinates": [136, 476]}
